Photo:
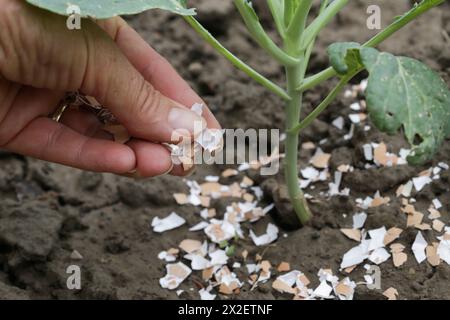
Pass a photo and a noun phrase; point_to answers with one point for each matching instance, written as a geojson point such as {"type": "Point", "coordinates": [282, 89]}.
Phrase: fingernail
{"type": "Point", "coordinates": [185, 119]}
{"type": "Point", "coordinates": [167, 172]}
{"type": "Point", "coordinates": [134, 174]}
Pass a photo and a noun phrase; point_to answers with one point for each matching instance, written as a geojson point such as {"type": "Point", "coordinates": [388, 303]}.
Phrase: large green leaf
{"type": "Point", "coordinates": [343, 58]}
{"type": "Point", "coordinates": [102, 9]}
{"type": "Point", "coordinates": [401, 92]}
{"type": "Point", "coordinates": [404, 92]}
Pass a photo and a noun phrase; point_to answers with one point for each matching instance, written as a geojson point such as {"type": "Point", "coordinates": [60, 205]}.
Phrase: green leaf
{"type": "Point", "coordinates": [403, 92]}
{"type": "Point", "coordinates": [230, 251]}
{"type": "Point", "coordinates": [223, 244]}
{"type": "Point", "coordinates": [344, 56]}
{"type": "Point", "coordinates": [103, 9]}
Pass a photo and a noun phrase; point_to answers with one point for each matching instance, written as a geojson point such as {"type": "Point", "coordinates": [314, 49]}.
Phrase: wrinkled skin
{"type": "Point", "coordinates": [41, 59]}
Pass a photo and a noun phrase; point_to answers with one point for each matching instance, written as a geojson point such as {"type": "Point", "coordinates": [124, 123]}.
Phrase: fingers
{"type": "Point", "coordinates": [85, 123]}
{"type": "Point", "coordinates": [151, 159]}
{"type": "Point", "coordinates": [27, 104]}
{"type": "Point", "coordinates": [48, 55]}
{"type": "Point", "coordinates": [155, 69]}
{"type": "Point", "coordinates": [52, 141]}
{"type": "Point", "coordinates": [133, 81]}
{"type": "Point", "coordinates": [142, 109]}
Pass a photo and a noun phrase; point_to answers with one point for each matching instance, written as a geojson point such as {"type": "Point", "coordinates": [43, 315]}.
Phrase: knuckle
{"type": "Point", "coordinates": [52, 141]}
{"type": "Point", "coordinates": [79, 154]}
{"type": "Point", "coordinates": [16, 40]}
{"type": "Point", "coordinates": [148, 101]}
{"type": "Point", "coordinates": [10, 8]}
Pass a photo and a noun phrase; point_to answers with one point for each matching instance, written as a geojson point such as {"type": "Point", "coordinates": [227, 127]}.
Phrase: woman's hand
{"type": "Point", "coordinates": [41, 60]}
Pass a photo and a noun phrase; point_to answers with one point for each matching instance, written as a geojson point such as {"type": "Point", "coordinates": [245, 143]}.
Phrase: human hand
{"type": "Point", "coordinates": [41, 60]}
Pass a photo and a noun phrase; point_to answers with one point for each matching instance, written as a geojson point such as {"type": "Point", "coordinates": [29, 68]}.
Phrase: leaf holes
{"type": "Point", "coordinates": [417, 139]}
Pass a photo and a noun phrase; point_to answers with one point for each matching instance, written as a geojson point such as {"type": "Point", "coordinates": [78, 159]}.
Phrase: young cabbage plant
{"type": "Point", "coordinates": [402, 93]}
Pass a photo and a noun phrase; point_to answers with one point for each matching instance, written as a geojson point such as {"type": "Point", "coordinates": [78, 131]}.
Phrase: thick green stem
{"type": "Point", "coordinates": [293, 109]}
{"type": "Point", "coordinates": [294, 77]}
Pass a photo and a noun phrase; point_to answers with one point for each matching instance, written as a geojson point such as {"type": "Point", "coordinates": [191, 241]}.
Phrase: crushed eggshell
{"type": "Point", "coordinates": [359, 219]}
{"type": "Point", "coordinates": [172, 221]}
{"type": "Point", "coordinates": [434, 214]}
{"type": "Point", "coordinates": [176, 274]}
{"type": "Point", "coordinates": [283, 267]}
{"type": "Point", "coordinates": [354, 234]}
{"type": "Point", "coordinates": [221, 230]}
{"type": "Point", "coordinates": [382, 157]}
{"type": "Point", "coordinates": [166, 256]}
{"type": "Point", "coordinates": [270, 236]}
{"type": "Point", "coordinates": [391, 293]}
{"type": "Point", "coordinates": [398, 256]}
{"type": "Point", "coordinates": [419, 247]}
{"type": "Point", "coordinates": [392, 235]}
{"type": "Point", "coordinates": [206, 294]}
{"type": "Point", "coordinates": [229, 173]}
{"type": "Point", "coordinates": [432, 255]}
{"type": "Point", "coordinates": [181, 198]}
{"type": "Point", "coordinates": [438, 225]}
{"type": "Point", "coordinates": [320, 160]}
{"type": "Point", "coordinates": [189, 245]}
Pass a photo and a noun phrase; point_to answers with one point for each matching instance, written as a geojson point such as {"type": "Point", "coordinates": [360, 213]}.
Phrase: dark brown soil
{"type": "Point", "coordinates": [46, 210]}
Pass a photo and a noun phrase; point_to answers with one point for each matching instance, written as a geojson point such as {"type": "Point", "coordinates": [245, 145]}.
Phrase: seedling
{"type": "Point", "coordinates": [402, 93]}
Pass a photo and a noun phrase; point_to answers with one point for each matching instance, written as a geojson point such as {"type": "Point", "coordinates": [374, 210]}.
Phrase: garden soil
{"type": "Point", "coordinates": [47, 211]}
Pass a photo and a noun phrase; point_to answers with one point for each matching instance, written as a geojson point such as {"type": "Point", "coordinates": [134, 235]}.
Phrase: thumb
{"type": "Point", "coordinates": [38, 50]}
{"type": "Point", "coordinates": [115, 82]}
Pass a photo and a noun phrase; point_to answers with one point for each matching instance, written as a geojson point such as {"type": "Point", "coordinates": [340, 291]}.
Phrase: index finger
{"type": "Point", "coordinates": [153, 67]}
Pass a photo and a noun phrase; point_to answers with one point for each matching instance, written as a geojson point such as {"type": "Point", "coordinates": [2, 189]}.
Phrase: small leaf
{"type": "Point", "coordinates": [223, 244]}
{"type": "Point", "coordinates": [103, 9]}
{"type": "Point", "coordinates": [404, 92]}
{"type": "Point", "coordinates": [230, 250]}
{"type": "Point", "coordinates": [344, 56]}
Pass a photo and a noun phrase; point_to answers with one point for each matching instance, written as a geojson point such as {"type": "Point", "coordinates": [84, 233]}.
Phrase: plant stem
{"type": "Point", "coordinates": [207, 36]}
{"type": "Point", "coordinates": [322, 106]}
{"type": "Point", "coordinates": [293, 109]}
{"type": "Point", "coordinates": [294, 77]}
{"type": "Point", "coordinates": [399, 23]}
{"type": "Point", "coordinates": [298, 23]}
{"type": "Point", "coordinates": [318, 78]}
{"type": "Point", "coordinates": [276, 7]}
{"type": "Point", "coordinates": [256, 30]}
{"type": "Point", "coordinates": [288, 11]}
{"type": "Point", "coordinates": [322, 20]}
